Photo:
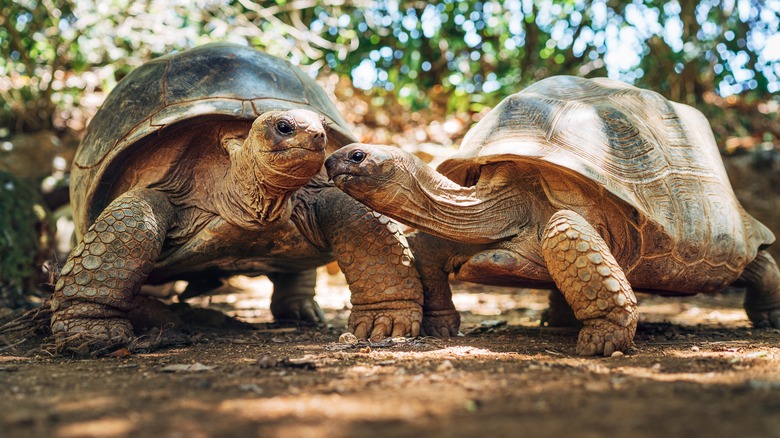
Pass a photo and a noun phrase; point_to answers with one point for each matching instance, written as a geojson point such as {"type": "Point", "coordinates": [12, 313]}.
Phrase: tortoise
{"type": "Point", "coordinates": [208, 163]}
{"type": "Point", "coordinates": [589, 187]}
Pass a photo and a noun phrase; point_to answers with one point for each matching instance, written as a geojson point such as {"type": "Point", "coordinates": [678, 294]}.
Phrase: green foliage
{"type": "Point", "coordinates": [457, 55]}
{"type": "Point", "coordinates": [22, 216]}
{"type": "Point", "coordinates": [477, 52]}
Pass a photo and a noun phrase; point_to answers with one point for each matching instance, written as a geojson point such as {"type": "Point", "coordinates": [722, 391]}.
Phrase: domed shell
{"type": "Point", "coordinates": [219, 79]}
{"type": "Point", "coordinates": [656, 156]}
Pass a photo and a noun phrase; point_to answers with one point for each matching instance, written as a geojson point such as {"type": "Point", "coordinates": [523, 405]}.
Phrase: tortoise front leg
{"type": "Point", "coordinates": [293, 297]}
{"type": "Point", "coordinates": [96, 286]}
{"type": "Point", "coordinates": [762, 300]}
{"type": "Point", "coordinates": [592, 282]}
{"type": "Point", "coordinates": [385, 289]}
{"type": "Point", "coordinates": [431, 254]}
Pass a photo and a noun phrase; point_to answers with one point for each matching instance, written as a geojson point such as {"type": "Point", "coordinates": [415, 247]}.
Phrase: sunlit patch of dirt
{"type": "Point", "coordinates": [698, 369]}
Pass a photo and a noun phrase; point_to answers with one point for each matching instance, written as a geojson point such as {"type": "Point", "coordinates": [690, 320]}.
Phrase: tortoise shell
{"type": "Point", "coordinates": [657, 158]}
{"type": "Point", "coordinates": [214, 80]}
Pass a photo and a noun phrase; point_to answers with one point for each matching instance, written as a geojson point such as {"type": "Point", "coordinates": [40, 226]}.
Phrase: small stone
{"type": "Point", "coordinates": [445, 367]}
{"type": "Point", "coordinates": [194, 367]}
{"type": "Point", "coordinates": [695, 348]}
{"type": "Point", "coordinates": [617, 354]}
{"type": "Point", "coordinates": [348, 338]}
{"type": "Point", "coordinates": [266, 361]}
{"type": "Point", "coordinates": [251, 387]}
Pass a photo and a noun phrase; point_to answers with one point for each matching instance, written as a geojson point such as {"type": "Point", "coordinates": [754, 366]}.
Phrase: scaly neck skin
{"type": "Point", "coordinates": [258, 195]}
{"type": "Point", "coordinates": [425, 199]}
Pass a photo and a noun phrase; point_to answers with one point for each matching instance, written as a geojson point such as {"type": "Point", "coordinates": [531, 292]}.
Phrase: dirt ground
{"type": "Point", "coordinates": [698, 369]}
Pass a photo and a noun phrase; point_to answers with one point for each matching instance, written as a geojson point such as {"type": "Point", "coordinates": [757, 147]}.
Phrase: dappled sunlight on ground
{"type": "Point", "coordinates": [697, 369]}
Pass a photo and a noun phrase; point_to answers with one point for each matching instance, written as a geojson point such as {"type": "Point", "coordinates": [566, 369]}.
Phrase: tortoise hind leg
{"type": "Point", "coordinates": [293, 297]}
{"type": "Point", "coordinates": [97, 285]}
{"type": "Point", "coordinates": [440, 318]}
{"type": "Point", "coordinates": [592, 282]}
{"type": "Point", "coordinates": [762, 300]}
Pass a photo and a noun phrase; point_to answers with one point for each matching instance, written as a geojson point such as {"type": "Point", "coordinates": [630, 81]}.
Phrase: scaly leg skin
{"type": "Point", "coordinates": [559, 313]}
{"type": "Point", "coordinates": [594, 285]}
{"type": "Point", "coordinates": [762, 300]}
{"type": "Point", "coordinates": [104, 272]}
{"type": "Point", "coordinates": [293, 297]}
{"type": "Point", "coordinates": [376, 260]}
{"type": "Point", "coordinates": [440, 318]}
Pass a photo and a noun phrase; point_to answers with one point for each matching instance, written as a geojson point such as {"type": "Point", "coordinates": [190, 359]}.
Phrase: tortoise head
{"type": "Point", "coordinates": [282, 151]}
{"type": "Point", "coordinates": [289, 143]}
{"type": "Point", "coordinates": [363, 171]}
{"type": "Point", "coordinates": [398, 184]}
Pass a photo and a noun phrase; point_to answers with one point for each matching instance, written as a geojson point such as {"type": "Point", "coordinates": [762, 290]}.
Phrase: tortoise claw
{"type": "Point", "coordinates": [298, 309]}
{"type": "Point", "coordinates": [378, 324]}
{"type": "Point", "coordinates": [85, 336]}
{"type": "Point", "coordinates": [601, 336]}
{"type": "Point", "coordinates": [765, 319]}
{"type": "Point", "coordinates": [441, 323]}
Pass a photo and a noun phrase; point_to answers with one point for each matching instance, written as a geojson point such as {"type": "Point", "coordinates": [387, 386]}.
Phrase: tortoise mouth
{"type": "Point", "coordinates": [297, 161]}
{"type": "Point", "coordinates": [339, 171]}
{"type": "Point", "coordinates": [341, 180]}
{"type": "Point", "coordinates": [317, 149]}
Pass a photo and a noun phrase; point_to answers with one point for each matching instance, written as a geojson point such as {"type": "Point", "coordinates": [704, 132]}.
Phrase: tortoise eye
{"type": "Point", "coordinates": [284, 127]}
{"type": "Point", "coordinates": [356, 156]}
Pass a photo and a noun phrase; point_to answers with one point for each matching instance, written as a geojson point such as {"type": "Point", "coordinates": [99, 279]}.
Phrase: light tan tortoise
{"type": "Point", "coordinates": [593, 187]}
{"type": "Point", "coordinates": [209, 163]}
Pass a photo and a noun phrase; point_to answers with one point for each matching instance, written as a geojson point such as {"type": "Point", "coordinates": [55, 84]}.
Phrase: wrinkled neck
{"type": "Point", "coordinates": [258, 194]}
{"type": "Point", "coordinates": [486, 212]}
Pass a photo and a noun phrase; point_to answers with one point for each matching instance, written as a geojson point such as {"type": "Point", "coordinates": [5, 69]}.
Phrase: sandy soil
{"type": "Point", "coordinates": [698, 369]}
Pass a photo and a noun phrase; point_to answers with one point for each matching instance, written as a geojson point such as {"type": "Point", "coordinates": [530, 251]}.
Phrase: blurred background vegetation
{"type": "Point", "coordinates": [450, 56]}
{"type": "Point", "coordinates": [405, 72]}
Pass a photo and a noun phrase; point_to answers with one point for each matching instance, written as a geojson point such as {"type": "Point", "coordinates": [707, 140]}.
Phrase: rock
{"type": "Point", "coordinates": [348, 338]}
{"type": "Point", "coordinates": [445, 367]}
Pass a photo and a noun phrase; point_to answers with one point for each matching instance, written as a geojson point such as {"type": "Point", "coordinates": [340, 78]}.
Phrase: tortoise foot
{"type": "Point", "coordinates": [89, 336]}
{"type": "Point", "coordinates": [765, 318]}
{"type": "Point", "coordinates": [377, 323]}
{"type": "Point", "coordinates": [601, 336]}
{"type": "Point", "coordinates": [298, 309]}
{"type": "Point", "coordinates": [441, 323]}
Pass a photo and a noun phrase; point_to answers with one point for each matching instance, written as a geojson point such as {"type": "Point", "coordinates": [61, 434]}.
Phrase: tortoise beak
{"type": "Point", "coordinates": [335, 165]}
